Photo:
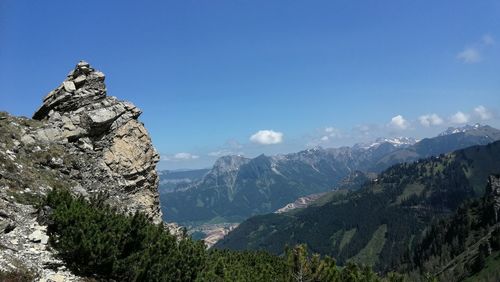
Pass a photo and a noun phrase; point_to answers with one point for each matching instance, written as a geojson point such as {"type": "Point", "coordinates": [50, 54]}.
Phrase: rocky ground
{"type": "Point", "coordinates": [212, 233]}
{"type": "Point", "coordinates": [80, 139]}
{"type": "Point", "coordinates": [300, 203]}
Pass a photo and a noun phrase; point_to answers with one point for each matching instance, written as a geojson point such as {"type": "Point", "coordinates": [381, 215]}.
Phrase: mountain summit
{"type": "Point", "coordinates": [79, 112]}
{"type": "Point", "coordinates": [466, 129]}
{"type": "Point", "coordinates": [398, 142]}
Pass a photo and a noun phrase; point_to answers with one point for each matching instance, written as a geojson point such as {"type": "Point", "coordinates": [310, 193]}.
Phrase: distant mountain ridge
{"type": "Point", "coordinates": [237, 187]}
{"type": "Point", "coordinates": [172, 180]}
{"type": "Point", "coordinates": [397, 142]}
{"type": "Point", "coordinates": [463, 129]}
{"type": "Point", "coordinates": [377, 224]}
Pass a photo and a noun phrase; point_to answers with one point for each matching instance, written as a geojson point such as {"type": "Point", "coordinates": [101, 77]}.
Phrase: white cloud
{"type": "Point", "coordinates": [332, 132]}
{"type": "Point", "coordinates": [399, 122]}
{"type": "Point", "coordinates": [325, 136]}
{"type": "Point", "coordinates": [165, 157]}
{"type": "Point", "coordinates": [185, 156]}
{"type": "Point", "coordinates": [469, 56]}
{"type": "Point", "coordinates": [233, 144]}
{"type": "Point", "coordinates": [473, 53]}
{"type": "Point", "coordinates": [363, 129]}
{"type": "Point", "coordinates": [179, 157]}
{"type": "Point", "coordinates": [329, 133]}
{"type": "Point", "coordinates": [219, 153]}
{"type": "Point", "coordinates": [267, 137]}
{"type": "Point", "coordinates": [459, 118]}
{"type": "Point", "coordinates": [224, 152]}
{"type": "Point", "coordinates": [329, 129]}
{"type": "Point", "coordinates": [430, 119]}
{"type": "Point", "coordinates": [483, 112]}
{"type": "Point", "coordinates": [487, 40]}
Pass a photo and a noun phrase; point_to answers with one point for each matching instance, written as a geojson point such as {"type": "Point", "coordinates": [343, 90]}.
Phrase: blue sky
{"type": "Point", "coordinates": [251, 77]}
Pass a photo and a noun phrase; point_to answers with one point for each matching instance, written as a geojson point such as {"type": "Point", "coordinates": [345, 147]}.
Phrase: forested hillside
{"type": "Point", "coordinates": [379, 223]}
{"type": "Point", "coordinates": [465, 245]}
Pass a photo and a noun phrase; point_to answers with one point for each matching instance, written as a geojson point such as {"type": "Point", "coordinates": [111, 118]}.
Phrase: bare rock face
{"type": "Point", "coordinates": [117, 156]}
{"type": "Point", "coordinates": [79, 139]}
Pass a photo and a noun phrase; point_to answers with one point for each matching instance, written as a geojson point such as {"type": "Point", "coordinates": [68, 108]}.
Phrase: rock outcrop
{"type": "Point", "coordinates": [80, 139]}
{"type": "Point", "coordinates": [106, 130]}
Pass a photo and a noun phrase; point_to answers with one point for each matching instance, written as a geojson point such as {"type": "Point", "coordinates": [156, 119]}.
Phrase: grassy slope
{"type": "Point", "coordinates": [28, 166]}
{"type": "Point", "coordinates": [491, 271]}
{"type": "Point", "coordinates": [370, 253]}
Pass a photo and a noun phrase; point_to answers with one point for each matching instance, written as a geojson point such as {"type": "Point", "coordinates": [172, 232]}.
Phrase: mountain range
{"type": "Point", "coordinates": [172, 180]}
{"type": "Point", "coordinates": [378, 223]}
{"type": "Point", "coordinates": [237, 187]}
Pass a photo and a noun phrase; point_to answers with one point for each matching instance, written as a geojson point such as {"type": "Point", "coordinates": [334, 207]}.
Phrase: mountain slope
{"type": "Point", "coordinates": [237, 187]}
{"type": "Point", "coordinates": [379, 222]}
{"type": "Point", "coordinates": [464, 245]}
{"type": "Point", "coordinates": [450, 140]}
{"type": "Point", "coordinates": [178, 180]}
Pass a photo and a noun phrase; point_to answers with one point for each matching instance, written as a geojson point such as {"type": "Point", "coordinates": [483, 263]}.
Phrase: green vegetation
{"type": "Point", "coordinates": [255, 189]}
{"type": "Point", "coordinates": [465, 245]}
{"type": "Point", "coordinates": [405, 198]}
{"type": "Point", "coordinates": [410, 190]}
{"type": "Point", "coordinates": [490, 272]}
{"type": "Point", "coordinates": [97, 242]}
{"type": "Point", "coordinates": [347, 238]}
{"type": "Point", "coordinates": [23, 169]}
{"type": "Point", "coordinates": [336, 196]}
{"type": "Point", "coordinates": [369, 254]}
{"type": "Point", "coordinates": [20, 275]}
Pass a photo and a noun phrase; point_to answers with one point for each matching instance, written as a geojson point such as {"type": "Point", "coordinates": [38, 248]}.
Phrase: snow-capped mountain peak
{"type": "Point", "coordinates": [394, 141]}
{"type": "Point", "coordinates": [465, 128]}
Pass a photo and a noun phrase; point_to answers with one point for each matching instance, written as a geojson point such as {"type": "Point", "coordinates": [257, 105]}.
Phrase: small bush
{"type": "Point", "coordinates": [20, 275]}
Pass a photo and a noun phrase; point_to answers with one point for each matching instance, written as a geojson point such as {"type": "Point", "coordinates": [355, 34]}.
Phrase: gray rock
{"type": "Point", "coordinates": [69, 86]}
{"type": "Point", "coordinates": [6, 226]}
{"type": "Point", "coordinates": [48, 134]}
{"type": "Point", "coordinates": [38, 236]}
{"type": "Point", "coordinates": [54, 278]}
{"type": "Point", "coordinates": [103, 116]}
{"type": "Point", "coordinates": [83, 64]}
{"type": "Point", "coordinates": [80, 80]}
{"type": "Point", "coordinates": [116, 147]}
{"type": "Point", "coordinates": [56, 162]}
{"type": "Point", "coordinates": [27, 139]}
{"type": "Point", "coordinates": [84, 140]}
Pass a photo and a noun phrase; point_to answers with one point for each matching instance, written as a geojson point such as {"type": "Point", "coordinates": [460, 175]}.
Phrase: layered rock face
{"type": "Point", "coordinates": [123, 159]}
{"type": "Point", "coordinates": [79, 139]}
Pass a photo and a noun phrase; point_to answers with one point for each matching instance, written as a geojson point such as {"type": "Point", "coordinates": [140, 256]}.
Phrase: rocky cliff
{"type": "Point", "coordinates": [80, 139]}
